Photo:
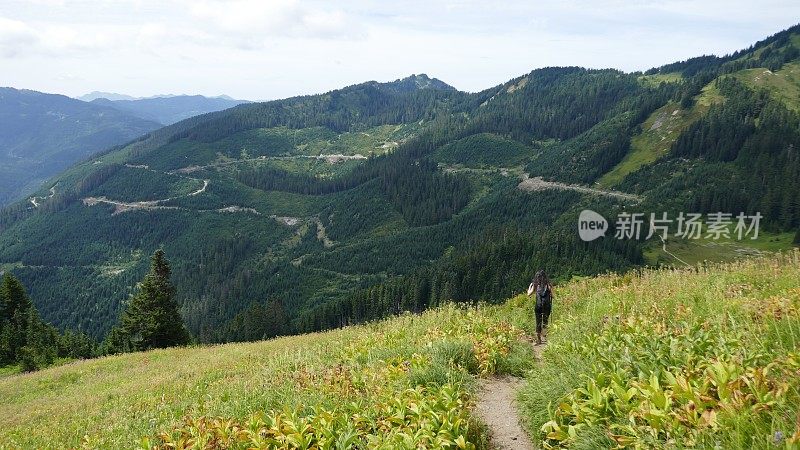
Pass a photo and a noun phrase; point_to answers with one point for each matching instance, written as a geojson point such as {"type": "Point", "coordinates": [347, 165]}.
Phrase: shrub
{"type": "Point", "coordinates": [455, 353]}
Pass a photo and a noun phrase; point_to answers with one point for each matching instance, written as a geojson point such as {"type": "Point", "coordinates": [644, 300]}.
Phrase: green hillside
{"type": "Point", "coordinates": [310, 205]}
{"type": "Point", "coordinates": [783, 84]}
{"type": "Point", "coordinates": [659, 132]}
{"type": "Point", "coordinates": [41, 135]}
{"type": "Point", "coordinates": [483, 150]}
{"type": "Point", "coordinates": [694, 358]}
{"type": "Point", "coordinates": [378, 198]}
{"type": "Point", "coordinates": [702, 358]}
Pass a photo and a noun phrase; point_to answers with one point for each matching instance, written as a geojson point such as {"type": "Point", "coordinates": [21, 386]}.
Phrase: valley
{"type": "Point", "coordinates": [344, 211]}
{"type": "Point", "coordinates": [41, 135]}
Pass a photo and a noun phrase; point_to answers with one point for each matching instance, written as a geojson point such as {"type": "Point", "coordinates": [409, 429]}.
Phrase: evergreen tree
{"type": "Point", "coordinates": [151, 319]}
{"type": "Point", "coordinates": [15, 309]}
{"type": "Point", "coordinates": [77, 345]}
{"type": "Point", "coordinates": [258, 321]}
{"type": "Point", "coordinates": [41, 348]}
{"type": "Point", "coordinates": [24, 337]}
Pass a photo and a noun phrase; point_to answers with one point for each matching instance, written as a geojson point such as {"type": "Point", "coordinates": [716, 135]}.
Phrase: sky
{"type": "Point", "coordinates": [269, 49]}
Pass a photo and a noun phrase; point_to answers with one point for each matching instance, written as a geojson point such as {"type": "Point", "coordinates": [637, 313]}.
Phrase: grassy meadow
{"type": "Point", "coordinates": [392, 384]}
{"type": "Point", "coordinates": [705, 249]}
{"type": "Point", "coordinates": [783, 84]}
{"type": "Point", "coordinates": [706, 357]}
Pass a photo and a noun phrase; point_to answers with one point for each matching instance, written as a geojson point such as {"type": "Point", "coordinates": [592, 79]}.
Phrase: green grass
{"type": "Point", "coordinates": [10, 370]}
{"type": "Point", "coordinates": [659, 132]}
{"type": "Point", "coordinates": [691, 358]}
{"type": "Point", "coordinates": [697, 251]}
{"type": "Point", "coordinates": [658, 78]}
{"type": "Point", "coordinates": [410, 380]}
{"type": "Point", "coordinates": [783, 85]}
{"type": "Point", "coordinates": [428, 360]}
{"type": "Point", "coordinates": [372, 141]}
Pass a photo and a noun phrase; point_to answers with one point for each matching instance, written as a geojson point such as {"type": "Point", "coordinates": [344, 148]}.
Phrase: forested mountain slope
{"type": "Point", "coordinates": [318, 211]}
{"type": "Point", "coordinates": [43, 134]}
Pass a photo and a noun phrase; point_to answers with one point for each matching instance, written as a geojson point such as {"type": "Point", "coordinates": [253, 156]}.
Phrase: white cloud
{"type": "Point", "coordinates": [259, 49]}
{"type": "Point", "coordinates": [284, 18]}
{"type": "Point", "coordinates": [16, 37]}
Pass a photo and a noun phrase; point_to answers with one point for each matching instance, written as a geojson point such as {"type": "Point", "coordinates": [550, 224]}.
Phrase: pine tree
{"type": "Point", "coordinates": [24, 337]}
{"type": "Point", "coordinates": [15, 307]}
{"type": "Point", "coordinates": [151, 319]}
{"type": "Point", "coordinates": [41, 343]}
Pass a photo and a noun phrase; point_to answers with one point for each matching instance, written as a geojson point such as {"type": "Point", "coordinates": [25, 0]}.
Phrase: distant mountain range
{"type": "Point", "coordinates": [94, 95]}
{"type": "Point", "coordinates": [43, 134]}
{"type": "Point", "coordinates": [164, 109]}
{"type": "Point", "coordinates": [379, 198]}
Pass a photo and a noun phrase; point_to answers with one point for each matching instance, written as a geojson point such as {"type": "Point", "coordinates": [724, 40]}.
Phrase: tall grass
{"type": "Point", "coordinates": [672, 358]}
{"type": "Point", "coordinates": [705, 357]}
{"type": "Point", "coordinates": [401, 382]}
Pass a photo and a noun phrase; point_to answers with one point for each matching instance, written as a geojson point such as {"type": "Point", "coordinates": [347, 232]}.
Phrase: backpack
{"type": "Point", "coordinates": [543, 291]}
{"type": "Point", "coordinates": [542, 295]}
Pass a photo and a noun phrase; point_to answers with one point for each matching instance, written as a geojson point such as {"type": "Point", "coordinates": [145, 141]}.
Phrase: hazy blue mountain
{"type": "Point", "coordinates": [42, 134]}
{"type": "Point", "coordinates": [94, 95]}
{"type": "Point", "coordinates": [170, 109]}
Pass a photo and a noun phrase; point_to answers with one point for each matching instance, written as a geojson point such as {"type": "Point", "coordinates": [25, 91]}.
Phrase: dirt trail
{"type": "Point", "coordinates": [497, 408]}
{"type": "Point", "coordinates": [152, 204]}
{"type": "Point", "coordinates": [664, 248]}
{"type": "Point", "coordinates": [199, 191]}
{"type": "Point", "coordinates": [538, 184]}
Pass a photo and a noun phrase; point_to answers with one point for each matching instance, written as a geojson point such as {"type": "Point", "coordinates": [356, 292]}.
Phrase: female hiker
{"type": "Point", "coordinates": [544, 302]}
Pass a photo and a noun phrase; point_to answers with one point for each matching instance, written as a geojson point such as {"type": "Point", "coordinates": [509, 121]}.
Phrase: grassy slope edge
{"type": "Point", "coordinates": [387, 384]}
{"type": "Point", "coordinates": [705, 356]}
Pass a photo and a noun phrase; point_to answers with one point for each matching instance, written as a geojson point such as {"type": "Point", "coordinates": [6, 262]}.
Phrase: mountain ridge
{"type": "Point", "coordinates": [42, 134]}
{"type": "Point", "coordinates": [378, 198]}
{"type": "Point", "coordinates": [170, 109]}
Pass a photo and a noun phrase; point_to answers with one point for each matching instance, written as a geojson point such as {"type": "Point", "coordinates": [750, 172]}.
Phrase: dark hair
{"type": "Point", "coordinates": [541, 278]}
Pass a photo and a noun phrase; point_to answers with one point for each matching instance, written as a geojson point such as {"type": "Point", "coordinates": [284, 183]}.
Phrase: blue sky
{"type": "Point", "coordinates": [266, 49]}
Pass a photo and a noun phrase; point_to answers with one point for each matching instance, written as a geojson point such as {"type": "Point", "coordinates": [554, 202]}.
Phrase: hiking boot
{"type": "Point", "coordinates": [539, 338]}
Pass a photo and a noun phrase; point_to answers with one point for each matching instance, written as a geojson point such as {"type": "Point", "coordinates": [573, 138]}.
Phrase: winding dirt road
{"type": "Point", "coordinates": [35, 200]}
{"type": "Point", "coordinates": [538, 184]}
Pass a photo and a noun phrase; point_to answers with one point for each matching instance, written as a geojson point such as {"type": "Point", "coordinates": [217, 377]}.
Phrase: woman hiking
{"type": "Point", "coordinates": [544, 302]}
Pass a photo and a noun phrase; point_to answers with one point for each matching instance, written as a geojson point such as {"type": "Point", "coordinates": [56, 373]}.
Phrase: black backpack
{"type": "Point", "coordinates": [542, 294]}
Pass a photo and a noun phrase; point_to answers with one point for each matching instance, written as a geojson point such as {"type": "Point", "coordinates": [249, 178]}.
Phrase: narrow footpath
{"type": "Point", "coordinates": [497, 408]}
